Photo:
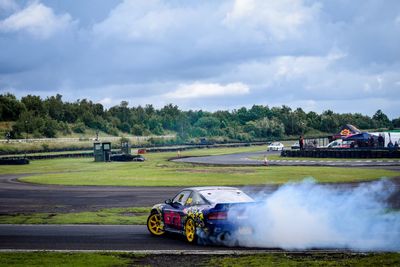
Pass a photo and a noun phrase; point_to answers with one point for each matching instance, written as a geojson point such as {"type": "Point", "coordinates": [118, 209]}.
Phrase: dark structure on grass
{"type": "Point", "coordinates": [102, 151]}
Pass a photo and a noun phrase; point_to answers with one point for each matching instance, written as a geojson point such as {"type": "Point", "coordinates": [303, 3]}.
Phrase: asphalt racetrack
{"type": "Point", "coordinates": [17, 197]}
{"type": "Point", "coordinates": [248, 159]}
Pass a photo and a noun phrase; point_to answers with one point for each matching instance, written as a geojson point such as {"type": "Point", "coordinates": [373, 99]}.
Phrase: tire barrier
{"type": "Point", "coordinates": [14, 161]}
{"type": "Point", "coordinates": [66, 149]}
{"type": "Point", "coordinates": [342, 153]}
{"type": "Point", "coordinates": [155, 149]}
{"type": "Point", "coordinates": [56, 156]}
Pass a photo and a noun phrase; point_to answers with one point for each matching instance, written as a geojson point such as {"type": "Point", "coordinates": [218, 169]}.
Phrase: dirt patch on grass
{"type": "Point", "coordinates": [172, 260]}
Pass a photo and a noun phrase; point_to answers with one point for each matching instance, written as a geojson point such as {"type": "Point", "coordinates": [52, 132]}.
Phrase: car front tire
{"type": "Point", "coordinates": [190, 231]}
{"type": "Point", "coordinates": [154, 224]}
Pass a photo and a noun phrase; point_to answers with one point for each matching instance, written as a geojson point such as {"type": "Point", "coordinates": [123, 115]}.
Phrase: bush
{"type": "Point", "coordinates": [64, 128]}
{"type": "Point", "coordinates": [50, 128]}
{"type": "Point", "coordinates": [45, 146]}
{"type": "Point", "coordinates": [79, 128]}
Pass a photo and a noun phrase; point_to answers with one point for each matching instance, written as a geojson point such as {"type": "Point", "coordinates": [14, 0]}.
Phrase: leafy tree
{"type": "Point", "coordinates": [10, 108]}
{"type": "Point", "coordinates": [37, 117]}
{"type": "Point", "coordinates": [50, 128]}
{"type": "Point", "coordinates": [329, 122]}
{"type": "Point", "coordinates": [210, 124]}
{"type": "Point", "coordinates": [169, 115]}
{"type": "Point", "coordinates": [125, 127]}
{"type": "Point", "coordinates": [381, 119]}
{"type": "Point", "coordinates": [396, 123]}
{"type": "Point", "coordinates": [79, 127]}
{"type": "Point", "coordinates": [137, 129]}
{"type": "Point", "coordinates": [29, 123]}
{"type": "Point", "coordinates": [55, 107]}
{"type": "Point", "coordinates": [34, 104]}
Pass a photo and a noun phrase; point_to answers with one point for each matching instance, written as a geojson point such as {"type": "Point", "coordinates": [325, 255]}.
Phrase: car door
{"type": "Point", "coordinates": [173, 213]}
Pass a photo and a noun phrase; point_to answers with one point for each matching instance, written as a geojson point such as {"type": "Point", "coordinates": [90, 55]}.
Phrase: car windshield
{"type": "Point", "coordinates": [225, 196]}
{"type": "Point", "coordinates": [275, 144]}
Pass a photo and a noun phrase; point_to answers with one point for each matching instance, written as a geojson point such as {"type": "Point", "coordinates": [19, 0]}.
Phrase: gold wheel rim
{"type": "Point", "coordinates": [154, 224]}
{"type": "Point", "coordinates": [190, 230]}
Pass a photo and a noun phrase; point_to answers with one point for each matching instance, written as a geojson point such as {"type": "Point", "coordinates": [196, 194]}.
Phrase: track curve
{"type": "Point", "coordinates": [247, 159]}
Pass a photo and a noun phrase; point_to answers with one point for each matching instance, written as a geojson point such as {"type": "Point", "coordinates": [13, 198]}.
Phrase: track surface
{"type": "Point", "coordinates": [88, 237]}
{"type": "Point", "coordinates": [22, 197]}
{"type": "Point", "coordinates": [246, 159]}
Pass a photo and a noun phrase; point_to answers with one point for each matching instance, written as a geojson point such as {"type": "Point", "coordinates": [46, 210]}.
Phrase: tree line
{"type": "Point", "coordinates": [52, 116]}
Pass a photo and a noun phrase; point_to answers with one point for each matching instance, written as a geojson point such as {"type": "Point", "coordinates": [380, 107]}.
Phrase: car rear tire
{"type": "Point", "coordinates": [190, 231]}
{"type": "Point", "coordinates": [154, 224]}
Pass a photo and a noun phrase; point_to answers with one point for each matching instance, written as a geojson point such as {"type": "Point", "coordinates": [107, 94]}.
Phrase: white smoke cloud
{"type": "Point", "coordinates": [307, 215]}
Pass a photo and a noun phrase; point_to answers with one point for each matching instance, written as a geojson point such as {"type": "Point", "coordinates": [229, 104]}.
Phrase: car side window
{"type": "Point", "coordinates": [195, 199]}
{"type": "Point", "coordinates": [182, 197]}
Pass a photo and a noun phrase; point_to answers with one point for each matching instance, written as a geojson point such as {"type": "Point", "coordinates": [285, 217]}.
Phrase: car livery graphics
{"type": "Point", "coordinates": [202, 214]}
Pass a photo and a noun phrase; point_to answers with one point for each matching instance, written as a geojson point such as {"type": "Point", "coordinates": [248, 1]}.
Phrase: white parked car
{"type": "Point", "coordinates": [339, 143]}
{"type": "Point", "coordinates": [296, 145]}
{"type": "Point", "coordinates": [275, 146]}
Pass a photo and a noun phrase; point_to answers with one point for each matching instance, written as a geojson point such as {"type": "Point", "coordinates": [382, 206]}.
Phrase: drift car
{"type": "Point", "coordinates": [208, 214]}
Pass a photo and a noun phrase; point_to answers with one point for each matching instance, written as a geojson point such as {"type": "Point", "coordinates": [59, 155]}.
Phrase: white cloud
{"type": "Point", "coordinates": [275, 71]}
{"type": "Point", "coordinates": [106, 101]}
{"type": "Point", "coordinates": [36, 19]}
{"type": "Point", "coordinates": [199, 90]}
{"type": "Point", "coordinates": [286, 51]}
{"type": "Point", "coordinates": [138, 20]}
{"type": "Point", "coordinates": [281, 19]}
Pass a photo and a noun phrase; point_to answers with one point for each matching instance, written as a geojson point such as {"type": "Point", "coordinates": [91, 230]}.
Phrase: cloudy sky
{"type": "Point", "coordinates": [339, 55]}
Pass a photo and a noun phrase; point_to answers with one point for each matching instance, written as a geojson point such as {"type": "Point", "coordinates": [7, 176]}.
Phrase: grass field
{"type": "Point", "coordinates": [158, 171]}
{"type": "Point", "coordinates": [310, 259]}
{"type": "Point", "coordinates": [47, 259]}
{"type": "Point", "coordinates": [119, 216]}
{"type": "Point", "coordinates": [51, 259]}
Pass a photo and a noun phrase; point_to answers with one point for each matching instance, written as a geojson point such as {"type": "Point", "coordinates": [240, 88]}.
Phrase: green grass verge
{"type": "Point", "coordinates": [310, 259]}
{"type": "Point", "coordinates": [46, 259]}
{"type": "Point", "coordinates": [51, 259]}
{"type": "Point", "coordinates": [119, 216]}
{"type": "Point", "coordinates": [158, 171]}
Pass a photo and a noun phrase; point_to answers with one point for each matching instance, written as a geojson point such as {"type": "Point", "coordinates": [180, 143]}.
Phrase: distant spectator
{"type": "Point", "coordinates": [381, 141]}
{"type": "Point", "coordinates": [8, 136]}
{"type": "Point", "coordinates": [301, 142]}
{"type": "Point", "coordinates": [371, 141]}
{"type": "Point", "coordinates": [390, 145]}
{"type": "Point", "coordinates": [315, 143]}
{"type": "Point", "coordinates": [396, 145]}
